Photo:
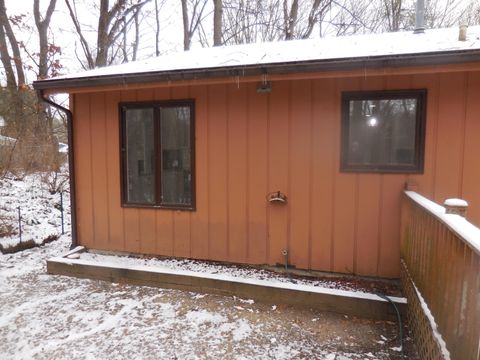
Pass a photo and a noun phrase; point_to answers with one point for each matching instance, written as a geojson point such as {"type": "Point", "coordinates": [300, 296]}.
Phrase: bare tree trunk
{"type": "Point", "coordinates": [157, 29]}
{"type": "Point", "coordinates": [16, 122]}
{"type": "Point", "coordinates": [217, 22]}
{"type": "Point", "coordinates": [393, 14]}
{"type": "Point", "coordinates": [113, 24]}
{"type": "Point", "coordinates": [45, 119]}
{"type": "Point", "coordinates": [102, 34]}
{"type": "Point", "coordinates": [17, 57]}
{"type": "Point", "coordinates": [315, 15]}
{"type": "Point", "coordinates": [137, 36]}
{"type": "Point", "coordinates": [6, 59]}
{"type": "Point", "coordinates": [124, 43]}
{"type": "Point", "coordinates": [42, 28]}
{"type": "Point", "coordinates": [290, 17]}
{"type": "Point", "coordinates": [186, 30]}
{"type": "Point", "coordinates": [191, 23]}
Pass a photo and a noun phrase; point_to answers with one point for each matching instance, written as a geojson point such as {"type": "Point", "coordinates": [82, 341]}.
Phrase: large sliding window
{"type": "Point", "coordinates": [157, 147]}
{"type": "Point", "coordinates": [383, 131]}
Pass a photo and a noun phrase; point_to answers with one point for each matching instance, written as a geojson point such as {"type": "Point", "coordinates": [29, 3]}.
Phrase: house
{"type": "Point", "coordinates": [264, 153]}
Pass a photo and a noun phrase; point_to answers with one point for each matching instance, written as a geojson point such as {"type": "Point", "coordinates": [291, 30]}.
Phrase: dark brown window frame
{"type": "Point", "coordinates": [156, 105]}
{"type": "Point", "coordinates": [420, 130]}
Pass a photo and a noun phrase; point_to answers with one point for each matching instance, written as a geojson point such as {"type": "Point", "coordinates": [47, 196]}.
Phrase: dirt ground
{"type": "Point", "coordinates": [54, 317]}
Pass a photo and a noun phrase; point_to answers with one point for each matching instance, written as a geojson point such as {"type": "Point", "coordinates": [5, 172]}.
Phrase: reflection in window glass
{"type": "Point", "coordinates": [383, 131]}
{"type": "Point", "coordinates": [140, 165]}
{"type": "Point", "coordinates": [175, 149]}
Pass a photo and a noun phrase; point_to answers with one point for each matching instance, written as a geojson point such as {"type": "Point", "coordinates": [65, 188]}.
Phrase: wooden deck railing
{"type": "Point", "coordinates": [441, 254]}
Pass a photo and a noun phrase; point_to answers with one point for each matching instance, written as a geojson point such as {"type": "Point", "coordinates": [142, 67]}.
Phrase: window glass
{"type": "Point", "coordinates": [175, 148]}
{"type": "Point", "coordinates": [140, 163]}
{"type": "Point", "coordinates": [383, 132]}
{"type": "Point", "coordinates": [158, 154]}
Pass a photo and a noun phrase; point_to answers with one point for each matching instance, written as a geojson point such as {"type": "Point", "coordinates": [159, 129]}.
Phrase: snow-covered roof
{"type": "Point", "coordinates": [399, 45]}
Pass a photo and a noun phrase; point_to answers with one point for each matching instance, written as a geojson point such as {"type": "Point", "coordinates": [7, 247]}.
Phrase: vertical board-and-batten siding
{"type": "Point", "coordinates": [249, 144]}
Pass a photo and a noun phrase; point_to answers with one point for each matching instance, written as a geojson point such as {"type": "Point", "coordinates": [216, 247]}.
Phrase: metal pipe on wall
{"type": "Point", "coordinates": [419, 17]}
{"type": "Point", "coordinates": [71, 167]}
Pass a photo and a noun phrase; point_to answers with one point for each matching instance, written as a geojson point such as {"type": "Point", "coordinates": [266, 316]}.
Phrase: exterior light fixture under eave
{"type": "Point", "coordinates": [264, 87]}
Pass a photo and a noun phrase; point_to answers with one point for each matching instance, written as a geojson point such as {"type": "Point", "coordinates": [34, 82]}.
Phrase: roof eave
{"type": "Point", "coordinates": [389, 61]}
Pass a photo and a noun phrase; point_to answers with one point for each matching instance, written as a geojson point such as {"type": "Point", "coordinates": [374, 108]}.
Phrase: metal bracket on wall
{"type": "Point", "coordinates": [277, 197]}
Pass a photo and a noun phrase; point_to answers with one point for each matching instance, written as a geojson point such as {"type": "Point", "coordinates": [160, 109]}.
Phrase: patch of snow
{"type": "Point", "coordinates": [455, 202]}
{"type": "Point", "coordinates": [198, 296]}
{"type": "Point", "coordinates": [39, 210]}
{"type": "Point", "coordinates": [242, 330]}
{"type": "Point", "coordinates": [199, 317]}
{"type": "Point", "coordinates": [248, 301]}
{"type": "Point", "coordinates": [5, 140]}
{"type": "Point", "coordinates": [458, 224]}
{"type": "Point", "coordinates": [436, 334]}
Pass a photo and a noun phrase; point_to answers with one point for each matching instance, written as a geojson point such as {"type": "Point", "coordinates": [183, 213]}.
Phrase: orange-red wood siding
{"type": "Point", "coordinates": [249, 144]}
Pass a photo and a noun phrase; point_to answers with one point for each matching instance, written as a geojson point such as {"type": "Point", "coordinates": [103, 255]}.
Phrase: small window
{"type": "Point", "coordinates": [383, 131]}
{"type": "Point", "coordinates": [157, 154]}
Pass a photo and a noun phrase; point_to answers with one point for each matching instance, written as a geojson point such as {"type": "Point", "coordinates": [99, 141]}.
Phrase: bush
{"type": "Point", "coordinates": [55, 181]}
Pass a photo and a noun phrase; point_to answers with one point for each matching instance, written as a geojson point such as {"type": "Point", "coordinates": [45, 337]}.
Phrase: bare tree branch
{"type": "Point", "coordinates": [83, 41]}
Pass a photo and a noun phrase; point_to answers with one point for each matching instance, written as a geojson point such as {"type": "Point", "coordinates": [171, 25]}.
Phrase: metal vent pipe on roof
{"type": "Point", "coordinates": [419, 17]}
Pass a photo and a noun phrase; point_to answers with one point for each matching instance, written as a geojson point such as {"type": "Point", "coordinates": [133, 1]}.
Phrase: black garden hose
{"type": "Point", "coordinates": [400, 326]}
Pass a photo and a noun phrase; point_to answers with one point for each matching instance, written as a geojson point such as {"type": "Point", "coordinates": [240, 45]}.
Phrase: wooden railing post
{"type": "Point", "coordinates": [440, 273]}
{"type": "Point", "coordinates": [456, 206]}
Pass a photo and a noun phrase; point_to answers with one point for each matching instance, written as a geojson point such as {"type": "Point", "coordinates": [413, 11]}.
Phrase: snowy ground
{"type": "Point", "coordinates": [39, 209]}
{"type": "Point", "coordinates": [56, 317]}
